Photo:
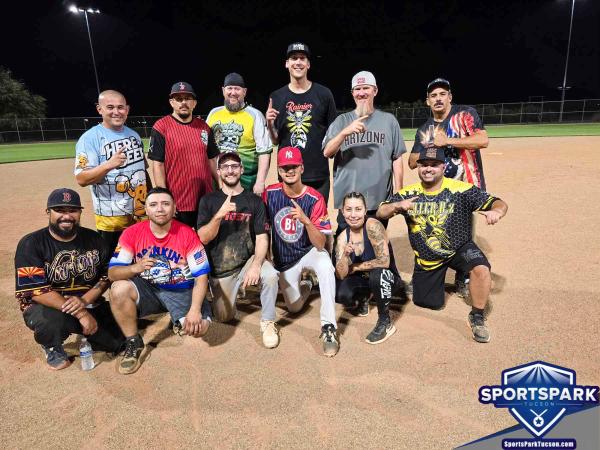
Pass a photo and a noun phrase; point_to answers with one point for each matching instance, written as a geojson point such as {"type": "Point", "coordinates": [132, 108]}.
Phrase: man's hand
{"type": "Point", "coordinates": [492, 216]}
{"type": "Point", "coordinates": [357, 126]}
{"type": "Point", "coordinates": [72, 305]}
{"type": "Point", "coordinates": [227, 207]}
{"type": "Point", "coordinates": [405, 205]}
{"type": "Point", "coordinates": [145, 263]}
{"type": "Point", "coordinates": [252, 276]}
{"type": "Point", "coordinates": [259, 187]}
{"type": "Point", "coordinates": [88, 323]}
{"type": "Point", "coordinates": [195, 325]}
{"type": "Point", "coordinates": [117, 159]}
{"type": "Point", "coordinates": [271, 114]}
{"type": "Point", "coordinates": [440, 138]}
{"type": "Point", "coordinates": [298, 214]}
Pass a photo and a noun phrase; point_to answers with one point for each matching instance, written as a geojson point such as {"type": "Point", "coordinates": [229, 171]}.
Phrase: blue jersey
{"type": "Point", "coordinates": [290, 239]}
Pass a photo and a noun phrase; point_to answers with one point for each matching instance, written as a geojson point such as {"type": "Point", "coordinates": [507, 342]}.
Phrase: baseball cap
{"type": "Point", "coordinates": [64, 197]}
{"type": "Point", "coordinates": [289, 156]}
{"type": "Point", "coordinates": [432, 153]}
{"type": "Point", "coordinates": [228, 155]}
{"type": "Point", "coordinates": [234, 79]}
{"type": "Point", "coordinates": [438, 82]}
{"type": "Point", "coordinates": [181, 87]}
{"type": "Point", "coordinates": [363, 77]}
{"type": "Point", "coordinates": [297, 47]}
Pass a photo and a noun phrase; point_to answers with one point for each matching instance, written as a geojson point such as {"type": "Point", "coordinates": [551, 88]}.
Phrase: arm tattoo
{"type": "Point", "coordinates": [377, 236]}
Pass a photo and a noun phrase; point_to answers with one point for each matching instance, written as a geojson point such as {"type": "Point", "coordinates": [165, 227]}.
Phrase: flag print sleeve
{"type": "Point", "coordinates": [86, 156]}
{"type": "Point", "coordinates": [319, 217]}
{"type": "Point", "coordinates": [196, 257]}
{"type": "Point", "coordinates": [471, 122]}
{"type": "Point", "coordinates": [124, 253]}
{"type": "Point", "coordinates": [30, 272]}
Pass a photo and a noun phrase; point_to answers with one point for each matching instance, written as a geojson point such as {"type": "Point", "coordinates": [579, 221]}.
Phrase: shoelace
{"type": "Point", "coordinates": [478, 320]}
{"type": "Point", "coordinates": [130, 348]}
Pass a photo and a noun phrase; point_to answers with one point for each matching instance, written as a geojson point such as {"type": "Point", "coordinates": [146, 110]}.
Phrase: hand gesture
{"type": "Point", "coordinates": [492, 216]}
{"type": "Point", "coordinates": [440, 138]}
{"type": "Point", "coordinates": [118, 158]}
{"type": "Point", "coordinates": [88, 324]}
{"type": "Point", "coordinates": [72, 305]}
{"type": "Point", "coordinates": [252, 276]}
{"type": "Point", "coordinates": [406, 205]}
{"type": "Point", "coordinates": [227, 207]}
{"type": "Point", "coordinates": [349, 249]}
{"type": "Point", "coordinates": [298, 214]}
{"type": "Point", "coordinates": [143, 264]}
{"type": "Point", "coordinates": [357, 126]}
{"type": "Point", "coordinates": [271, 114]}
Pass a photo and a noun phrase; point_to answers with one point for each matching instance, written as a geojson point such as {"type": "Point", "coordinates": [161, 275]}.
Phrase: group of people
{"type": "Point", "coordinates": [210, 227]}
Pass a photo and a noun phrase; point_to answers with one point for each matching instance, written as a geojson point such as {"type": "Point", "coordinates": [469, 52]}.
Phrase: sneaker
{"type": "Point", "coordinates": [382, 331]}
{"type": "Point", "coordinates": [270, 334]}
{"type": "Point", "coordinates": [480, 331]}
{"type": "Point", "coordinates": [329, 338]}
{"type": "Point", "coordinates": [56, 357]}
{"type": "Point", "coordinates": [311, 276]}
{"type": "Point", "coordinates": [178, 329]}
{"type": "Point", "coordinates": [462, 289]}
{"type": "Point", "coordinates": [130, 362]}
{"type": "Point", "coordinates": [362, 309]}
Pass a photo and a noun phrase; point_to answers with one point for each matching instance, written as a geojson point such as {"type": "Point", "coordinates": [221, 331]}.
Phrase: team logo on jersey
{"type": "Point", "coordinates": [82, 161]}
{"type": "Point", "coordinates": [299, 122]}
{"type": "Point", "coordinates": [30, 275]}
{"type": "Point", "coordinates": [204, 137]}
{"type": "Point", "coordinates": [228, 135]}
{"type": "Point", "coordinates": [288, 228]}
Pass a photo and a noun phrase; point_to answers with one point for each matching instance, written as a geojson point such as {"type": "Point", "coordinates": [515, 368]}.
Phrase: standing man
{"type": "Point", "coordinates": [183, 152]}
{"type": "Point", "coordinates": [299, 222]}
{"type": "Point", "coordinates": [299, 115]}
{"type": "Point", "coordinates": [459, 131]}
{"type": "Point", "coordinates": [159, 266]}
{"type": "Point", "coordinates": [367, 144]}
{"type": "Point", "coordinates": [60, 279]}
{"type": "Point", "coordinates": [238, 127]}
{"type": "Point", "coordinates": [232, 223]}
{"type": "Point", "coordinates": [438, 213]}
{"type": "Point", "coordinates": [110, 159]}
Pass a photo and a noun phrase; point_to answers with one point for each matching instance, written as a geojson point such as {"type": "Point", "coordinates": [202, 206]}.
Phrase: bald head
{"type": "Point", "coordinates": [113, 108]}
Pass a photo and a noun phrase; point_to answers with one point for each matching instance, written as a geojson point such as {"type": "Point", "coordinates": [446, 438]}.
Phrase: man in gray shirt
{"type": "Point", "coordinates": [367, 145]}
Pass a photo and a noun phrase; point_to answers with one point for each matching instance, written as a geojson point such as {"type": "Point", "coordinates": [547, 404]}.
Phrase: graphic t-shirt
{"type": "Point", "coordinates": [123, 190]}
{"type": "Point", "coordinates": [44, 264]}
{"type": "Point", "coordinates": [302, 122]}
{"type": "Point", "coordinates": [181, 256]}
{"type": "Point", "coordinates": [440, 222]}
{"type": "Point", "coordinates": [185, 149]}
{"type": "Point", "coordinates": [244, 132]}
{"type": "Point", "coordinates": [364, 161]}
{"type": "Point", "coordinates": [236, 239]}
{"type": "Point", "coordinates": [461, 163]}
{"type": "Point", "coordinates": [290, 239]}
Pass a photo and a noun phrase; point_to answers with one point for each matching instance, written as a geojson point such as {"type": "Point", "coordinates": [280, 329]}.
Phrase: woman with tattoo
{"type": "Point", "coordinates": [365, 265]}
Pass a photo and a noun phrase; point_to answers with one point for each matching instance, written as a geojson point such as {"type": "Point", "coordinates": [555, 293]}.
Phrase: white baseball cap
{"type": "Point", "coordinates": [363, 77]}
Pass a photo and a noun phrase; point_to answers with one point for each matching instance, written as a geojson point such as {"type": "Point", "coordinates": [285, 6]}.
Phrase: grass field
{"type": "Point", "coordinates": [57, 150]}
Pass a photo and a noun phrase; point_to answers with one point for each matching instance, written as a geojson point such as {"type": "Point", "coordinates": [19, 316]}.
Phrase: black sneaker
{"type": "Point", "coordinates": [56, 357]}
{"type": "Point", "coordinates": [362, 309]}
{"type": "Point", "coordinates": [329, 339]}
{"type": "Point", "coordinates": [382, 331]}
{"type": "Point", "coordinates": [130, 362]}
{"type": "Point", "coordinates": [478, 327]}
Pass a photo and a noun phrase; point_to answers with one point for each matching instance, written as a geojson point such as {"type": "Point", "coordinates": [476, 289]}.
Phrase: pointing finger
{"type": "Point", "coordinates": [363, 117]}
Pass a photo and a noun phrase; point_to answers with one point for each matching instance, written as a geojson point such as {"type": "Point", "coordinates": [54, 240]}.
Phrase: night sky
{"type": "Point", "coordinates": [490, 51]}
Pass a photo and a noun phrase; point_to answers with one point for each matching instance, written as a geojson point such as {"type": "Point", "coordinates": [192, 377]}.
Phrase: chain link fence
{"type": "Point", "coordinates": [71, 128]}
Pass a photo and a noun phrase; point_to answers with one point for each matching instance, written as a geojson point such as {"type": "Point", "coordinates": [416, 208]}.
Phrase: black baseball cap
{"type": "Point", "coordinates": [181, 87]}
{"type": "Point", "coordinates": [438, 82]}
{"type": "Point", "coordinates": [297, 47]}
{"type": "Point", "coordinates": [234, 79]}
{"type": "Point", "coordinates": [432, 153]}
{"type": "Point", "coordinates": [64, 197]}
{"type": "Point", "coordinates": [228, 155]}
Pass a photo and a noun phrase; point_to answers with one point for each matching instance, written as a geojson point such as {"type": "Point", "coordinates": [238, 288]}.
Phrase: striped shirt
{"type": "Point", "coordinates": [185, 149]}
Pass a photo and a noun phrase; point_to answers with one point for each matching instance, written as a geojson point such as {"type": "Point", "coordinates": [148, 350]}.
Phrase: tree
{"type": "Point", "coordinates": [16, 100]}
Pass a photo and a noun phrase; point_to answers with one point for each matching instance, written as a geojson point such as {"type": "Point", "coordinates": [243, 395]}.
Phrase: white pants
{"type": "Point", "coordinates": [289, 282]}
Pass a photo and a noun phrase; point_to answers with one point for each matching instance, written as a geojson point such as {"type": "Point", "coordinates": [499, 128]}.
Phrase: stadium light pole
{"type": "Point", "coordinates": [564, 85]}
{"type": "Point", "coordinates": [76, 10]}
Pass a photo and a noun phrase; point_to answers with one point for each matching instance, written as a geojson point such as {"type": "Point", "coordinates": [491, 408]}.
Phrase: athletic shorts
{"type": "Point", "coordinates": [154, 300]}
{"type": "Point", "coordinates": [428, 285]}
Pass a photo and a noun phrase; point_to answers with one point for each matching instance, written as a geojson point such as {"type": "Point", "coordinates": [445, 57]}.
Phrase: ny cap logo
{"type": "Point", "coordinates": [67, 197]}
{"type": "Point", "coordinates": [288, 154]}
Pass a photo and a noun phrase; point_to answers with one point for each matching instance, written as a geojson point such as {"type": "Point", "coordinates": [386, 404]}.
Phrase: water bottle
{"type": "Point", "coordinates": [86, 354]}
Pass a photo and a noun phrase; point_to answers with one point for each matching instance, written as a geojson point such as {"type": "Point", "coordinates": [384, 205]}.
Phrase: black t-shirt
{"type": "Point", "coordinates": [235, 241]}
{"type": "Point", "coordinates": [44, 264]}
{"type": "Point", "coordinates": [302, 122]}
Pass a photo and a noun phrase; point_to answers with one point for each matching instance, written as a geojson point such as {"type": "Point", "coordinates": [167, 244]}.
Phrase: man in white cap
{"type": "Point", "coordinates": [367, 145]}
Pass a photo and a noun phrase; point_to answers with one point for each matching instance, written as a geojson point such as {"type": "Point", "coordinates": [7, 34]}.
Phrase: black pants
{"type": "Point", "coordinates": [320, 185]}
{"type": "Point", "coordinates": [382, 283]}
{"type": "Point", "coordinates": [190, 218]}
{"type": "Point", "coordinates": [111, 238]}
{"type": "Point", "coordinates": [52, 327]}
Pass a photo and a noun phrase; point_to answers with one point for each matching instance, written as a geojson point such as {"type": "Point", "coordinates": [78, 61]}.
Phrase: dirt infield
{"type": "Point", "coordinates": [418, 390]}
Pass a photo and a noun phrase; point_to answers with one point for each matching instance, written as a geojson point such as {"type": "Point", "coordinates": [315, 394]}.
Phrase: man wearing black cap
{"type": "Point", "coordinates": [183, 152]}
{"type": "Point", "coordinates": [438, 213]}
{"type": "Point", "coordinates": [238, 127]}
{"type": "Point", "coordinates": [299, 115]}
{"type": "Point", "coordinates": [458, 130]}
{"type": "Point", "coordinates": [60, 276]}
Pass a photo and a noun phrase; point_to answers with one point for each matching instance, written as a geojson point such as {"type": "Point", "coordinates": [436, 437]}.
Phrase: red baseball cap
{"type": "Point", "coordinates": [289, 156]}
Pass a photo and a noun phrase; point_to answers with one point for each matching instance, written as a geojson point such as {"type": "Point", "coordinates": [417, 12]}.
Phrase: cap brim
{"type": "Point", "coordinates": [182, 92]}
{"type": "Point", "coordinates": [67, 205]}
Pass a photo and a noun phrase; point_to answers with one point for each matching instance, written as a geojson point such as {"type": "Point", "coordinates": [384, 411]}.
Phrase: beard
{"type": "Point", "coordinates": [184, 115]}
{"type": "Point", "coordinates": [362, 109]}
{"type": "Point", "coordinates": [62, 233]}
{"type": "Point", "coordinates": [234, 107]}
{"type": "Point", "coordinates": [230, 184]}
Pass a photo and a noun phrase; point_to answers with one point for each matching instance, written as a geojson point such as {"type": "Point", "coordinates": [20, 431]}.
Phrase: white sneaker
{"type": "Point", "coordinates": [270, 334]}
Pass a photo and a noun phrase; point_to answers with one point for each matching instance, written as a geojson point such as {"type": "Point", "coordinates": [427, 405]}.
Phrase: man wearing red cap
{"type": "Point", "coordinates": [299, 224]}
{"type": "Point", "coordinates": [183, 153]}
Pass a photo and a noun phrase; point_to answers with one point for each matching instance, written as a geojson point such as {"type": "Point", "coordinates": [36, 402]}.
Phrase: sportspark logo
{"type": "Point", "coordinates": [538, 395]}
